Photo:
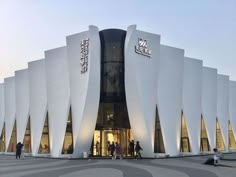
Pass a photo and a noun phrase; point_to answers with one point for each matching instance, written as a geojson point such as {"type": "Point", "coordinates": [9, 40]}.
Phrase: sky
{"type": "Point", "coordinates": [205, 29]}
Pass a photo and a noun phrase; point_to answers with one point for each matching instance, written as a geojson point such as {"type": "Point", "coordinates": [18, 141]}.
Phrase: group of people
{"type": "Point", "coordinates": [135, 149]}
{"type": "Point", "coordinates": [19, 150]}
{"type": "Point", "coordinates": [115, 150]}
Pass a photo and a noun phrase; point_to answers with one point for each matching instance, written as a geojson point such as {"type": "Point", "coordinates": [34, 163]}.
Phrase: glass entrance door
{"type": "Point", "coordinates": [103, 138]}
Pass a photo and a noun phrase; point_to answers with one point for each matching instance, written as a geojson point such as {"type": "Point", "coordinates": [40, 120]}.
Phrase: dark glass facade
{"type": "Point", "coordinates": [112, 109]}
{"type": "Point", "coordinates": [112, 122]}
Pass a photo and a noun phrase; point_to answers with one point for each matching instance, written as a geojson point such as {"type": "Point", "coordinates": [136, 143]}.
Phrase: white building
{"type": "Point", "coordinates": [117, 86]}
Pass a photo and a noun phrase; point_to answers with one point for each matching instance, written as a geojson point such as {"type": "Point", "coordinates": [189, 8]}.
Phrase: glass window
{"type": "Point", "coordinates": [219, 139]}
{"type": "Point", "coordinates": [68, 147]}
{"type": "Point", "coordinates": [158, 141]}
{"type": "Point", "coordinates": [12, 143]}
{"type": "Point", "coordinates": [232, 142]}
{"type": "Point", "coordinates": [2, 140]}
{"type": "Point", "coordinates": [184, 143]}
{"type": "Point", "coordinates": [113, 79]}
{"type": "Point", "coordinates": [204, 138]}
{"type": "Point", "coordinates": [44, 143]}
{"type": "Point", "coordinates": [27, 138]}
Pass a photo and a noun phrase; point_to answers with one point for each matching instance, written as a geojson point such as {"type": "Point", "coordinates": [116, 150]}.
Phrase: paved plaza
{"type": "Point", "coordinates": [169, 167]}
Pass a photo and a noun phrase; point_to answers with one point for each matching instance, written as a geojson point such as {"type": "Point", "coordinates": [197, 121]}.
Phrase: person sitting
{"type": "Point", "coordinates": [216, 156]}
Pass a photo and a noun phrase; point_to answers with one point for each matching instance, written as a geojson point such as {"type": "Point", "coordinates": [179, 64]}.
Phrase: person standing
{"type": "Point", "coordinates": [138, 148]}
{"type": "Point", "coordinates": [108, 148]}
{"type": "Point", "coordinates": [97, 148]}
{"type": "Point", "coordinates": [112, 148]}
{"type": "Point", "coordinates": [131, 148]}
{"type": "Point", "coordinates": [18, 150]}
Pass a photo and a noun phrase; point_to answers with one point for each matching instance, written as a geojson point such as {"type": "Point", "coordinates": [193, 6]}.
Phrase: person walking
{"type": "Point", "coordinates": [23, 151]}
{"type": "Point", "coordinates": [138, 148]}
{"type": "Point", "coordinates": [118, 151]}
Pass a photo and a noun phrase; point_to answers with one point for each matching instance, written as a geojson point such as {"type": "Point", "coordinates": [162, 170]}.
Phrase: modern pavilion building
{"type": "Point", "coordinates": [117, 86]}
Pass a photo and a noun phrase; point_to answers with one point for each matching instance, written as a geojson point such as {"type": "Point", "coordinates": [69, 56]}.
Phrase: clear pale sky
{"type": "Point", "coordinates": [206, 29]}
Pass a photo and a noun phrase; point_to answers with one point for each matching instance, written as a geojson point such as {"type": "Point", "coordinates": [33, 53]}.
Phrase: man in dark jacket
{"type": "Point", "coordinates": [138, 148]}
{"type": "Point", "coordinates": [18, 150]}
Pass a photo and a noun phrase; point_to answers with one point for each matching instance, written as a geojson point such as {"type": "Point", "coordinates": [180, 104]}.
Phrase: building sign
{"type": "Point", "coordinates": [84, 51]}
{"type": "Point", "coordinates": [142, 48]}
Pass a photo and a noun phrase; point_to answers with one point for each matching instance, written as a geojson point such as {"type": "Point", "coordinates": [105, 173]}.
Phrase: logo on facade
{"type": "Point", "coordinates": [142, 49]}
{"type": "Point", "coordinates": [84, 51]}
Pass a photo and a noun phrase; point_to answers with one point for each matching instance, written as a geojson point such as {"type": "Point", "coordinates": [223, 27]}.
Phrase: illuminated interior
{"type": "Point", "coordinates": [12, 143]}
{"type": "Point", "coordinates": [204, 145]}
{"type": "Point", "coordinates": [158, 141]}
{"type": "Point", "coordinates": [68, 147]}
{"type": "Point", "coordinates": [3, 140]}
{"type": "Point", "coordinates": [232, 141]}
{"type": "Point", "coordinates": [27, 138]}
{"type": "Point", "coordinates": [103, 138]}
{"type": "Point", "coordinates": [219, 139]}
{"type": "Point", "coordinates": [184, 142]}
{"type": "Point", "coordinates": [44, 146]}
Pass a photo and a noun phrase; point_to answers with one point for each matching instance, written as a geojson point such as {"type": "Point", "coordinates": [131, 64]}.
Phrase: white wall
{"type": "Point", "coordinates": [84, 88]}
{"type": "Point", "coordinates": [141, 87]}
{"type": "Point", "coordinates": [22, 102]}
{"type": "Point", "coordinates": [232, 105]}
{"type": "Point", "coordinates": [10, 107]}
{"type": "Point", "coordinates": [192, 85]}
{"type": "Point", "coordinates": [223, 106]}
{"type": "Point", "coordinates": [209, 102]}
{"type": "Point", "coordinates": [38, 101]}
{"type": "Point", "coordinates": [169, 96]}
{"type": "Point", "coordinates": [58, 94]}
{"type": "Point", "coordinates": [2, 107]}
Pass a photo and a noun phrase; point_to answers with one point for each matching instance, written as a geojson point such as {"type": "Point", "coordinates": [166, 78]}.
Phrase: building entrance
{"type": "Point", "coordinates": [104, 137]}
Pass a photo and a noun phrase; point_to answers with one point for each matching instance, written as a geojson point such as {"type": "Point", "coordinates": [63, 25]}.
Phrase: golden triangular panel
{"type": "Point", "coordinates": [68, 147]}
{"type": "Point", "coordinates": [219, 138]}
{"type": "Point", "coordinates": [232, 141]}
{"type": "Point", "coordinates": [204, 145]}
{"type": "Point", "coordinates": [44, 146]}
{"type": "Point", "coordinates": [184, 139]}
{"type": "Point", "coordinates": [12, 142]}
{"type": "Point", "coordinates": [158, 138]}
{"type": "Point", "coordinates": [27, 138]}
{"type": "Point", "coordinates": [3, 140]}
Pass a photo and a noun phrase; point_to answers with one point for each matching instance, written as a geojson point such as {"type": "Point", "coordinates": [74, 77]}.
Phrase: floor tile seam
{"type": "Point", "coordinates": [152, 170]}
{"type": "Point", "coordinates": [76, 173]}
{"type": "Point", "coordinates": [203, 167]}
{"type": "Point", "coordinates": [17, 174]}
{"type": "Point", "coordinates": [35, 165]}
{"type": "Point", "coordinates": [32, 171]}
